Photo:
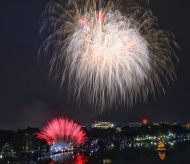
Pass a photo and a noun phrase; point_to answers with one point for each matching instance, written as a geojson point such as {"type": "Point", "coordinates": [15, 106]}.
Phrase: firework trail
{"type": "Point", "coordinates": [62, 133]}
{"type": "Point", "coordinates": [109, 52]}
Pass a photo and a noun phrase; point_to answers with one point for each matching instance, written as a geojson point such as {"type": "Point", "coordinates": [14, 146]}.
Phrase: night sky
{"type": "Point", "coordinates": [29, 98]}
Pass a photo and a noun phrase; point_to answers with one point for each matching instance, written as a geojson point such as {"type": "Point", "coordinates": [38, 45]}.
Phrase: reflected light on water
{"type": "Point", "coordinates": [132, 152]}
{"type": "Point", "coordinates": [162, 155]}
{"type": "Point", "coordinates": [107, 161]}
{"type": "Point", "coordinates": [68, 158]}
{"type": "Point", "coordinates": [81, 159]}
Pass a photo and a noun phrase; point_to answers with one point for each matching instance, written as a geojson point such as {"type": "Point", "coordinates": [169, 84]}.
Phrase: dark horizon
{"type": "Point", "coordinates": [29, 98]}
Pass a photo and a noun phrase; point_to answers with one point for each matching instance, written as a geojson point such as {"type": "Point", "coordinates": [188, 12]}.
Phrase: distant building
{"type": "Point", "coordinates": [159, 123]}
{"type": "Point", "coordinates": [134, 124]}
{"type": "Point", "coordinates": [102, 125]}
{"type": "Point", "coordinates": [187, 125]}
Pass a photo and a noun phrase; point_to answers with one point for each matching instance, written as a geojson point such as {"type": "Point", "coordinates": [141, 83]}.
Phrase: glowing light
{"type": "Point", "coordinates": [162, 155]}
{"type": "Point", "coordinates": [161, 146]}
{"type": "Point", "coordinates": [61, 132]}
{"type": "Point", "coordinates": [110, 52]}
{"type": "Point", "coordinates": [161, 150]}
{"type": "Point", "coordinates": [81, 159]}
{"type": "Point", "coordinates": [144, 121]}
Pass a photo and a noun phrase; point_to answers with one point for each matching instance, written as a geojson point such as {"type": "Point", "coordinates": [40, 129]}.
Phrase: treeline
{"type": "Point", "coordinates": [146, 131]}
{"type": "Point", "coordinates": [24, 141]}
{"type": "Point", "coordinates": [19, 143]}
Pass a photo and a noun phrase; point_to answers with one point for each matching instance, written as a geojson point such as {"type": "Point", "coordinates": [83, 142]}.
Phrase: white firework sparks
{"type": "Point", "coordinates": [109, 56]}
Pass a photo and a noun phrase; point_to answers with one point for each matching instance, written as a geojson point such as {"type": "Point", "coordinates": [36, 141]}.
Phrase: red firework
{"type": "Point", "coordinates": [63, 130]}
{"type": "Point", "coordinates": [82, 21]}
{"type": "Point", "coordinates": [100, 16]}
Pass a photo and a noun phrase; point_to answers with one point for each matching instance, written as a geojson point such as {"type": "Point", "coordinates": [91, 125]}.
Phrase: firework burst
{"type": "Point", "coordinates": [110, 52]}
{"type": "Point", "coordinates": [61, 133]}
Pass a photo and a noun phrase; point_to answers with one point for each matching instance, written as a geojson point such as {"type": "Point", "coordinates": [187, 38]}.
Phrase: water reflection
{"type": "Point", "coordinates": [161, 146]}
{"type": "Point", "coordinates": [107, 161]}
{"type": "Point", "coordinates": [162, 155]}
{"type": "Point", "coordinates": [68, 158]}
{"type": "Point", "coordinates": [133, 152]}
{"type": "Point", "coordinates": [122, 154]}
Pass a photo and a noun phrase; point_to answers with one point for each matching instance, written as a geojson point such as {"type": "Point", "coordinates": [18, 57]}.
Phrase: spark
{"type": "Point", "coordinates": [110, 52]}
{"type": "Point", "coordinates": [62, 133]}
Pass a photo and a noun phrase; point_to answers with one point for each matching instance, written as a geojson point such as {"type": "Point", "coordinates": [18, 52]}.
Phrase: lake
{"type": "Point", "coordinates": [173, 152]}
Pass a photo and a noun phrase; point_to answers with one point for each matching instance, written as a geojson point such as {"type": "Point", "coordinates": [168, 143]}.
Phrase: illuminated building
{"type": "Point", "coordinates": [161, 150]}
{"type": "Point", "coordinates": [134, 124]}
{"type": "Point", "coordinates": [102, 125]}
{"type": "Point", "coordinates": [161, 146]}
{"type": "Point", "coordinates": [187, 125]}
{"type": "Point", "coordinates": [159, 123]}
